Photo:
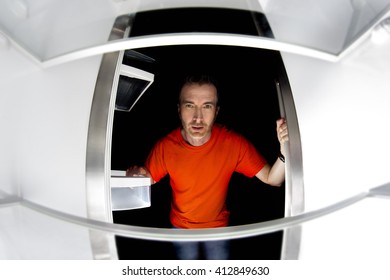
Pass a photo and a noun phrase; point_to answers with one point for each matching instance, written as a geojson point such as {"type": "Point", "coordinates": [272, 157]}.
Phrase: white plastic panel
{"type": "Point", "coordinates": [49, 28]}
{"type": "Point", "coordinates": [304, 23]}
{"type": "Point", "coordinates": [44, 119]}
{"type": "Point", "coordinates": [28, 235]}
{"type": "Point", "coordinates": [359, 232]}
{"type": "Point", "coordinates": [327, 25]}
{"type": "Point", "coordinates": [46, 28]}
{"type": "Point", "coordinates": [342, 112]}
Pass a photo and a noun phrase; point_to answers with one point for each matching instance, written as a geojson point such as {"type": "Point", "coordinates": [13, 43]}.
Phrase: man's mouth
{"type": "Point", "coordinates": [197, 127]}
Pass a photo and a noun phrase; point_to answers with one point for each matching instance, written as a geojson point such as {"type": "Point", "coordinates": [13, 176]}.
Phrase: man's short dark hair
{"type": "Point", "coordinates": [201, 79]}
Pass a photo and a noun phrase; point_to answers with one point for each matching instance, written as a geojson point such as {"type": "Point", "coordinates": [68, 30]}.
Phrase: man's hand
{"type": "Point", "coordinates": [282, 133]}
{"type": "Point", "coordinates": [135, 171]}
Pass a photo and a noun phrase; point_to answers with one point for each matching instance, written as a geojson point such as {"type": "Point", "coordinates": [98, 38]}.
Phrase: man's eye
{"type": "Point", "coordinates": [208, 106]}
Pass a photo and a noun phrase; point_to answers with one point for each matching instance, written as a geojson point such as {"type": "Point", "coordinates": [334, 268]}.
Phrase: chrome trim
{"type": "Point", "coordinates": [291, 244]}
{"type": "Point", "coordinates": [294, 186]}
{"type": "Point", "coordinates": [97, 160]}
{"type": "Point", "coordinates": [98, 157]}
{"type": "Point", "coordinates": [167, 234]}
{"type": "Point", "coordinates": [10, 201]}
{"type": "Point", "coordinates": [294, 168]}
{"type": "Point", "coordinates": [194, 38]}
{"type": "Point", "coordinates": [381, 191]}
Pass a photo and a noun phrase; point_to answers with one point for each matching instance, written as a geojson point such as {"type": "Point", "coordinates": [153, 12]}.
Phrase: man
{"type": "Point", "coordinates": [200, 158]}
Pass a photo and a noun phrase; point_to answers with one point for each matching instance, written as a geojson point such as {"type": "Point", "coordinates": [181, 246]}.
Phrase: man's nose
{"type": "Point", "coordinates": [198, 115]}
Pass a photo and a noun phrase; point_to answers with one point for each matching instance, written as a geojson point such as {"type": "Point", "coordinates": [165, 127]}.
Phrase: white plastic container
{"type": "Point", "coordinates": [129, 193]}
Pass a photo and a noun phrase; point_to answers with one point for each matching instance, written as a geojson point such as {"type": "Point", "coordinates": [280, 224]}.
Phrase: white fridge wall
{"type": "Point", "coordinates": [343, 111]}
{"type": "Point", "coordinates": [45, 126]}
{"type": "Point", "coordinates": [358, 233]}
{"type": "Point", "coordinates": [28, 235]}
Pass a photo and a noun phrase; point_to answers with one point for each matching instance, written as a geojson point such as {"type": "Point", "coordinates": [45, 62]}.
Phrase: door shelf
{"type": "Point", "coordinates": [129, 193]}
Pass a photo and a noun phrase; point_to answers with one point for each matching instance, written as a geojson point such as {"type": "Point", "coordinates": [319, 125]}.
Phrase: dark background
{"type": "Point", "coordinates": [249, 105]}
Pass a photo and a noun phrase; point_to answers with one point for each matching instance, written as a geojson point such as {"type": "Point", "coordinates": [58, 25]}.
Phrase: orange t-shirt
{"type": "Point", "coordinates": [199, 176]}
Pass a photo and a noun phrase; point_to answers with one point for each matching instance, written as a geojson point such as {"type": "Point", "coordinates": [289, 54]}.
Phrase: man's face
{"type": "Point", "coordinates": [198, 111]}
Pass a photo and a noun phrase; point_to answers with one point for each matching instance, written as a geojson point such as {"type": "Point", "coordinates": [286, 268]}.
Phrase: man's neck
{"type": "Point", "coordinates": [195, 141]}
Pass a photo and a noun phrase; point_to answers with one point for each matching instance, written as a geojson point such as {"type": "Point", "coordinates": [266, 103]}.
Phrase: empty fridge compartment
{"type": "Point", "coordinates": [129, 193]}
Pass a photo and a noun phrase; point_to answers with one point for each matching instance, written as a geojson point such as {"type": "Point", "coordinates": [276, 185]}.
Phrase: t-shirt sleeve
{"type": "Point", "coordinates": [155, 162]}
{"type": "Point", "coordinates": [250, 161]}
